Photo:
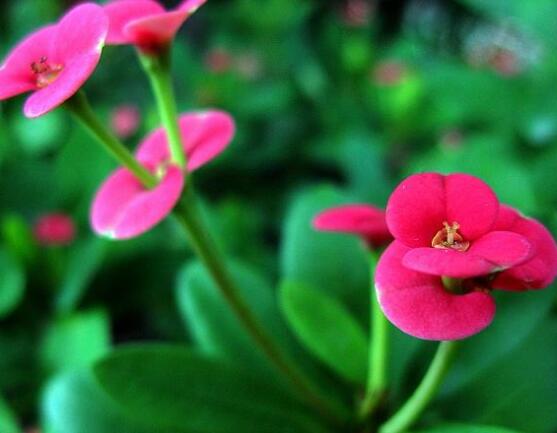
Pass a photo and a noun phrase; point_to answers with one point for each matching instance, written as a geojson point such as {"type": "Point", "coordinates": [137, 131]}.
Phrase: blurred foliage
{"type": "Point", "coordinates": [335, 102]}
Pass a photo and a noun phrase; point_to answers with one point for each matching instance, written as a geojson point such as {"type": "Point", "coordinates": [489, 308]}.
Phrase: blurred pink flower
{"type": "Point", "coordinates": [54, 229]}
{"type": "Point", "coordinates": [123, 208]}
{"type": "Point", "coordinates": [389, 73]}
{"type": "Point", "coordinates": [55, 61]}
{"type": "Point", "coordinates": [125, 120]}
{"type": "Point", "coordinates": [363, 220]}
{"type": "Point", "coordinates": [218, 60]}
{"type": "Point", "coordinates": [357, 13]}
{"type": "Point", "coordinates": [145, 23]}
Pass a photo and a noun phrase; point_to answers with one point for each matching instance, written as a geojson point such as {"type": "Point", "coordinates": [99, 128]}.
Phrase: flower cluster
{"type": "Point", "coordinates": [454, 243]}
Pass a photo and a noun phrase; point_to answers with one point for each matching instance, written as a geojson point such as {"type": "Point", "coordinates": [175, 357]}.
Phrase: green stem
{"type": "Point", "coordinates": [378, 350]}
{"type": "Point", "coordinates": [414, 406]}
{"type": "Point", "coordinates": [79, 106]}
{"type": "Point", "coordinates": [188, 215]}
{"type": "Point", "coordinates": [158, 69]}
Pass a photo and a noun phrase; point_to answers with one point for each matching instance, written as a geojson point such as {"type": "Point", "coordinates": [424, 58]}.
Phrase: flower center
{"type": "Point", "coordinates": [45, 72]}
{"type": "Point", "coordinates": [448, 237]}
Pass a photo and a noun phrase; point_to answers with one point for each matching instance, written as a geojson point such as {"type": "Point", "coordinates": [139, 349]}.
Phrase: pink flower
{"type": "Point", "coordinates": [389, 73]}
{"type": "Point", "coordinates": [435, 283]}
{"type": "Point", "coordinates": [540, 270]}
{"type": "Point", "coordinates": [218, 60]}
{"type": "Point", "coordinates": [145, 23]}
{"type": "Point", "coordinates": [357, 13]}
{"type": "Point", "coordinates": [54, 229]}
{"type": "Point", "coordinates": [420, 305]}
{"type": "Point", "coordinates": [125, 120]}
{"type": "Point", "coordinates": [366, 221]}
{"type": "Point", "coordinates": [56, 60]}
{"type": "Point", "coordinates": [449, 224]}
{"type": "Point", "coordinates": [123, 208]}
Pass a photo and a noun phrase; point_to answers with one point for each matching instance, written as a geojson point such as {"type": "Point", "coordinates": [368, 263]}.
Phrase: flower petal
{"type": "Point", "coordinates": [541, 269]}
{"type": "Point", "coordinates": [16, 75]}
{"type": "Point", "coordinates": [121, 13]}
{"type": "Point", "coordinates": [191, 6]}
{"type": "Point", "coordinates": [123, 208]}
{"type": "Point", "coordinates": [491, 253]}
{"type": "Point", "coordinates": [419, 305]}
{"type": "Point", "coordinates": [152, 31]}
{"type": "Point", "coordinates": [359, 219]}
{"type": "Point", "coordinates": [421, 203]}
{"type": "Point", "coordinates": [71, 78]}
{"type": "Point", "coordinates": [205, 135]}
{"type": "Point", "coordinates": [82, 31]}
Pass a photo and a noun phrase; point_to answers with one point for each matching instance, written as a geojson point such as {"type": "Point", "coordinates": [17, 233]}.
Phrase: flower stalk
{"type": "Point", "coordinates": [424, 393]}
{"type": "Point", "coordinates": [378, 350]}
{"type": "Point", "coordinates": [158, 68]}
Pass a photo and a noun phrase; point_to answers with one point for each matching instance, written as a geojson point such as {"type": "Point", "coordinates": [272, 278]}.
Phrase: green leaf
{"type": "Point", "coordinates": [334, 263]}
{"type": "Point", "coordinates": [74, 403]}
{"type": "Point", "coordinates": [326, 329]}
{"type": "Point", "coordinates": [8, 422]}
{"type": "Point", "coordinates": [12, 284]}
{"type": "Point", "coordinates": [76, 341]}
{"type": "Point", "coordinates": [464, 428]}
{"type": "Point", "coordinates": [84, 262]}
{"type": "Point", "coordinates": [172, 387]}
{"type": "Point", "coordinates": [519, 391]}
{"type": "Point", "coordinates": [517, 313]}
{"type": "Point", "coordinates": [213, 325]}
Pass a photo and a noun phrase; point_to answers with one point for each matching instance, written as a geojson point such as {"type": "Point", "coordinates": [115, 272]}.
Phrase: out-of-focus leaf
{"type": "Point", "coordinates": [18, 237]}
{"type": "Point", "coordinates": [326, 329]}
{"type": "Point", "coordinates": [334, 263]}
{"type": "Point", "coordinates": [517, 392]}
{"type": "Point", "coordinates": [74, 403]}
{"type": "Point", "coordinates": [517, 313]}
{"type": "Point", "coordinates": [8, 422]}
{"type": "Point", "coordinates": [12, 284]}
{"type": "Point", "coordinates": [40, 135]}
{"type": "Point", "coordinates": [171, 387]}
{"type": "Point", "coordinates": [465, 428]}
{"type": "Point", "coordinates": [213, 325]}
{"type": "Point", "coordinates": [76, 341]}
{"type": "Point", "coordinates": [84, 262]}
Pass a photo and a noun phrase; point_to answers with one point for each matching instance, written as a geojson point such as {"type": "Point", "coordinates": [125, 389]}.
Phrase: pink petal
{"type": "Point", "coordinates": [191, 6]}
{"type": "Point", "coordinates": [71, 78]}
{"type": "Point", "coordinates": [152, 31]}
{"type": "Point", "coordinates": [123, 208]}
{"type": "Point", "coordinates": [362, 220]}
{"type": "Point", "coordinates": [121, 13]}
{"type": "Point", "coordinates": [205, 135]}
{"type": "Point", "coordinates": [82, 31]}
{"type": "Point", "coordinates": [491, 253]}
{"type": "Point", "coordinates": [419, 305]}
{"type": "Point", "coordinates": [471, 203]}
{"type": "Point", "coordinates": [421, 203]}
{"type": "Point", "coordinates": [541, 269]}
{"type": "Point", "coordinates": [16, 76]}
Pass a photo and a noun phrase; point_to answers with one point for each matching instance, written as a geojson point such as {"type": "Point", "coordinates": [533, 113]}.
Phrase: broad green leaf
{"type": "Point", "coordinates": [334, 263]}
{"type": "Point", "coordinates": [76, 341]}
{"type": "Point", "coordinates": [84, 262]}
{"type": "Point", "coordinates": [172, 387]}
{"type": "Point", "coordinates": [519, 391]}
{"type": "Point", "coordinates": [465, 428]}
{"type": "Point", "coordinates": [517, 315]}
{"type": "Point", "coordinates": [74, 403]}
{"type": "Point", "coordinates": [8, 422]}
{"type": "Point", "coordinates": [12, 284]}
{"type": "Point", "coordinates": [18, 238]}
{"type": "Point", "coordinates": [326, 329]}
{"type": "Point", "coordinates": [213, 325]}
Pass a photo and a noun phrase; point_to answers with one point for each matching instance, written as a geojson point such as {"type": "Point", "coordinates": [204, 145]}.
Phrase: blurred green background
{"type": "Point", "coordinates": [335, 102]}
